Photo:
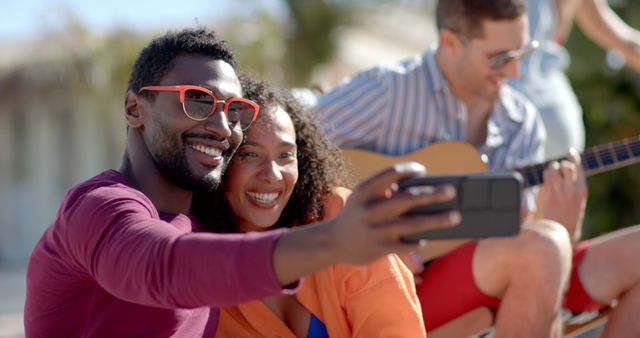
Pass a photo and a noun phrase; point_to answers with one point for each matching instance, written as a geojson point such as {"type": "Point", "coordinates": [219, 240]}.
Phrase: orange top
{"type": "Point", "coordinates": [375, 300]}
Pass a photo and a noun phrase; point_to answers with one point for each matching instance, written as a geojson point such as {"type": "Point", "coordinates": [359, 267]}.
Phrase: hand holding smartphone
{"type": "Point", "coordinates": [488, 202]}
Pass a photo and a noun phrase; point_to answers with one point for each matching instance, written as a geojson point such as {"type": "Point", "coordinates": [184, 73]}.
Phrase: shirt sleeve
{"type": "Point", "coordinates": [534, 152]}
{"type": "Point", "coordinates": [118, 239]}
{"type": "Point", "coordinates": [352, 114]}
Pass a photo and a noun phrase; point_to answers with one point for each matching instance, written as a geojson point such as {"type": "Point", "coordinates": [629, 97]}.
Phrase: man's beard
{"type": "Point", "coordinates": [175, 168]}
{"type": "Point", "coordinates": [172, 163]}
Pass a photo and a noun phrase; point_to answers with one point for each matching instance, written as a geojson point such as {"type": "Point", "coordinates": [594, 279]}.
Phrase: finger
{"type": "Point", "coordinates": [582, 181]}
{"type": "Point", "coordinates": [408, 225]}
{"type": "Point", "coordinates": [384, 180]}
{"type": "Point", "coordinates": [575, 157]}
{"type": "Point", "coordinates": [552, 168]}
{"type": "Point", "coordinates": [403, 201]}
{"type": "Point", "coordinates": [568, 172]}
{"type": "Point", "coordinates": [552, 178]}
{"type": "Point", "coordinates": [569, 178]}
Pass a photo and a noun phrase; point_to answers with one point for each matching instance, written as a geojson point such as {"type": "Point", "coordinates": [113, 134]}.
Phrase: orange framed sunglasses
{"type": "Point", "coordinates": [198, 103]}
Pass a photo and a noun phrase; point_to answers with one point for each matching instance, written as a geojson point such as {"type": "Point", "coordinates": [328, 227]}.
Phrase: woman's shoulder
{"type": "Point", "coordinates": [335, 201]}
{"type": "Point", "coordinates": [340, 192]}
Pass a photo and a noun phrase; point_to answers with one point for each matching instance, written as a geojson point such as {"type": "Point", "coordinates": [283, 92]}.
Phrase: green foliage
{"type": "Point", "coordinates": [259, 44]}
{"type": "Point", "coordinates": [611, 103]}
{"type": "Point", "coordinates": [285, 50]}
{"type": "Point", "coordinates": [309, 39]}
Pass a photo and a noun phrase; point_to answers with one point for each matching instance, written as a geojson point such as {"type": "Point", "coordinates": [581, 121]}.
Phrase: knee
{"type": "Point", "coordinates": [546, 243]}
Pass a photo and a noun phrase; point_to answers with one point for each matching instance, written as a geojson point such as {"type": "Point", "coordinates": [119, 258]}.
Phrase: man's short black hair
{"type": "Point", "coordinates": [159, 56]}
{"type": "Point", "coordinates": [467, 16]}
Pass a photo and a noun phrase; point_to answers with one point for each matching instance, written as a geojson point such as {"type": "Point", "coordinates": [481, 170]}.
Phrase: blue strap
{"type": "Point", "coordinates": [317, 329]}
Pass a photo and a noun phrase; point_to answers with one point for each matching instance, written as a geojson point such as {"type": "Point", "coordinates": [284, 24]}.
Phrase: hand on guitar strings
{"type": "Point", "coordinates": [564, 194]}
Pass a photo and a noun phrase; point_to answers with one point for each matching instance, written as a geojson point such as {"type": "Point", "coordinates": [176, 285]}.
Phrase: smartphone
{"type": "Point", "coordinates": [488, 202]}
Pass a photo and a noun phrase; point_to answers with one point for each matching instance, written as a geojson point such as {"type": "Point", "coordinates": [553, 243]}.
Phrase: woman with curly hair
{"type": "Point", "coordinates": [286, 174]}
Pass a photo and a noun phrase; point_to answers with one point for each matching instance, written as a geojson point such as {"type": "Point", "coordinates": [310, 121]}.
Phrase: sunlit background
{"type": "Point", "coordinates": [64, 67]}
{"type": "Point", "coordinates": [65, 64]}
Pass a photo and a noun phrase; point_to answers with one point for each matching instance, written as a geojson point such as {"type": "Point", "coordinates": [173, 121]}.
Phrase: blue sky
{"type": "Point", "coordinates": [24, 19]}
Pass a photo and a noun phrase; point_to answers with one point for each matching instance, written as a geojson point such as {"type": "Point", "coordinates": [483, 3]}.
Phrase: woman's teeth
{"type": "Point", "coordinates": [263, 197]}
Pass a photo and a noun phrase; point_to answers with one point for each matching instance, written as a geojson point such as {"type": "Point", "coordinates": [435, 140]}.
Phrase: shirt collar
{"type": "Point", "coordinates": [509, 104]}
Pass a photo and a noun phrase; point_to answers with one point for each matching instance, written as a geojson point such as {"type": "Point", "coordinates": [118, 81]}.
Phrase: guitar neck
{"type": "Point", "coordinates": [594, 160]}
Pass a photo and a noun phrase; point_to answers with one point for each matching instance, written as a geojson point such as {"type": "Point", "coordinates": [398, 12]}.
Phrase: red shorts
{"type": "Point", "coordinates": [448, 289]}
{"type": "Point", "coordinates": [576, 299]}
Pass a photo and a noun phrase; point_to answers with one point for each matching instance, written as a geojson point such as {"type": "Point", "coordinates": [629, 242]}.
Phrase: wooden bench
{"type": "Point", "coordinates": [575, 329]}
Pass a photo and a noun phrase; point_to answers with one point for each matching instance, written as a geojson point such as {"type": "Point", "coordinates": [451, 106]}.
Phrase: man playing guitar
{"type": "Point", "coordinates": [457, 92]}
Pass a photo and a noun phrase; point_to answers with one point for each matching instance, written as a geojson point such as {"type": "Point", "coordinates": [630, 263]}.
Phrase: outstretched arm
{"type": "Point", "coordinates": [368, 227]}
{"type": "Point", "coordinates": [598, 21]}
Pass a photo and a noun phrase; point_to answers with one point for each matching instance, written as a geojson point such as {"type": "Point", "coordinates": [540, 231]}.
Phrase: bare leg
{"type": "Point", "coordinates": [529, 273]}
{"type": "Point", "coordinates": [623, 321]}
{"type": "Point", "coordinates": [610, 271]}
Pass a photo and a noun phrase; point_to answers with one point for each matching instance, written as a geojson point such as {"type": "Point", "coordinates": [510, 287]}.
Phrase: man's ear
{"type": "Point", "coordinates": [132, 110]}
{"type": "Point", "coordinates": [449, 39]}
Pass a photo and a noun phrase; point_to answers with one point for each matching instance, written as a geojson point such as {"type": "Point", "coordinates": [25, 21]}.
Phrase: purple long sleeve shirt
{"type": "Point", "coordinates": [111, 265]}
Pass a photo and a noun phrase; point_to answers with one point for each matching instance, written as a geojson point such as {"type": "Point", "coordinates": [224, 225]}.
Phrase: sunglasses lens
{"type": "Point", "coordinates": [198, 104]}
{"type": "Point", "coordinates": [241, 112]}
{"type": "Point", "coordinates": [501, 60]}
{"type": "Point", "coordinates": [504, 58]}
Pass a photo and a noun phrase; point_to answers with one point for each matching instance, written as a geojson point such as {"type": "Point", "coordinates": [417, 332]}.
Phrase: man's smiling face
{"type": "Point", "coordinates": [192, 154]}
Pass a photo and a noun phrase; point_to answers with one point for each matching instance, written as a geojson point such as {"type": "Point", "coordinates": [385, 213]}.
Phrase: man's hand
{"type": "Point", "coordinates": [564, 196]}
{"type": "Point", "coordinates": [371, 223]}
{"type": "Point", "coordinates": [368, 227]}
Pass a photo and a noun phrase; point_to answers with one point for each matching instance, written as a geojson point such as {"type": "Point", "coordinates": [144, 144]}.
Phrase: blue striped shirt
{"type": "Point", "coordinates": [397, 109]}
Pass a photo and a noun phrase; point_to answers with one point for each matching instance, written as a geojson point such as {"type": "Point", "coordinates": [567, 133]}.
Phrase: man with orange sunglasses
{"type": "Point", "coordinates": [123, 257]}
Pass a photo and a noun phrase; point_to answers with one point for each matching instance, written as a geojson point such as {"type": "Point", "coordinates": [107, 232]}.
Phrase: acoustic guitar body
{"type": "Point", "coordinates": [444, 157]}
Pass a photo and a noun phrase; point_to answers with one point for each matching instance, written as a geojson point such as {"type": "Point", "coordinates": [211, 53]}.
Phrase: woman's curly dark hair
{"type": "Point", "coordinates": [320, 165]}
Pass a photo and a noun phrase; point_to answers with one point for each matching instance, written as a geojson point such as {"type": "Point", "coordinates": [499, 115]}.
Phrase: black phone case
{"type": "Point", "coordinates": [488, 202]}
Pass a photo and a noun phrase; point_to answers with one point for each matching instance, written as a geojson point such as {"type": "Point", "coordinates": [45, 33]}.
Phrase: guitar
{"type": "Point", "coordinates": [457, 157]}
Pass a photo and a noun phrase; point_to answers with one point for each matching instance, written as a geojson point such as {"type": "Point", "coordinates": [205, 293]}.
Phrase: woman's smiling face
{"type": "Point", "coordinates": [263, 172]}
